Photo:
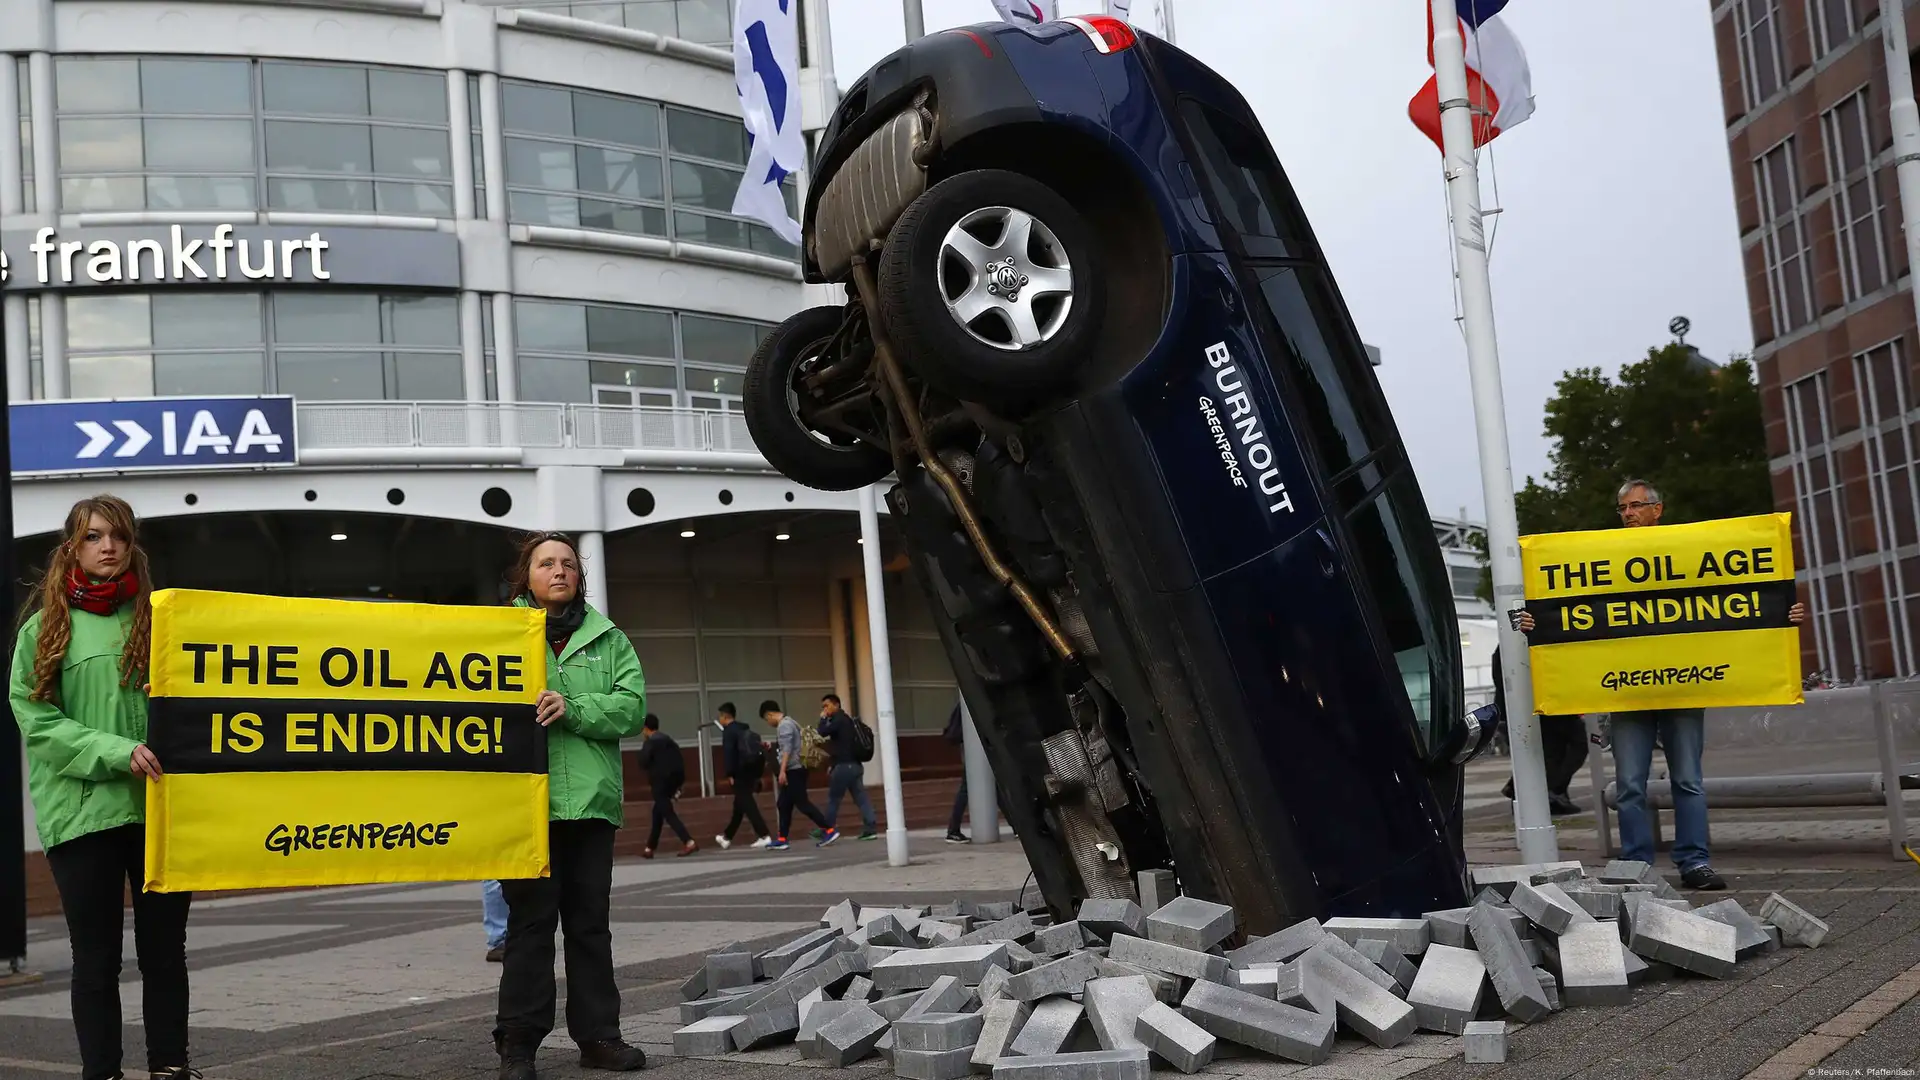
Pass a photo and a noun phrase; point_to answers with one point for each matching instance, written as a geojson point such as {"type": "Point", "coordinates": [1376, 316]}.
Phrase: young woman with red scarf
{"type": "Point", "coordinates": [78, 692]}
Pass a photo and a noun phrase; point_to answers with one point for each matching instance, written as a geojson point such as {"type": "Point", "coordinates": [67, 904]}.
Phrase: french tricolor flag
{"type": "Point", "coordinates": [1499, 84]}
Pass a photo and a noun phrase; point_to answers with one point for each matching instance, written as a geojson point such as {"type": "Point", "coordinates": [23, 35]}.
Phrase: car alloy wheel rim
{"type": "Point", "coordinates": [1006, 278]}
{"type": "Point", "coordinates": [811, 358]}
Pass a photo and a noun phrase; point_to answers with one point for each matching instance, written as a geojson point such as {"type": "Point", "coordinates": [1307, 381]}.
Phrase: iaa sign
{"type": "Point", "coordinates": [153, 433]}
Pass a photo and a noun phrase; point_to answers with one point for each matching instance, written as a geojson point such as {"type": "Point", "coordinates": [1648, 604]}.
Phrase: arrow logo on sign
{"type": "Point", "coordinates": [99, 438]}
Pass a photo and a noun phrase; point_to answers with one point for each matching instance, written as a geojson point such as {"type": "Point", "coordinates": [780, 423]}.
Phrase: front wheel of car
{"type": "Point", "coordinates": [775, 405]}
{"type": "Point", "coordinates": [991, 288]}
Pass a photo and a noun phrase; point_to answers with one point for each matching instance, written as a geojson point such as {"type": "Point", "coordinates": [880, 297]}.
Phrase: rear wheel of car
{"type": "Point", "coordinates": [991, 288]}
{"type": "Point", "coordinates": [829, 461]}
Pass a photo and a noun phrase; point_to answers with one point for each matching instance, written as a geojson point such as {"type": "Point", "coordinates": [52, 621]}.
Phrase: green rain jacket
{"type": "Point", "coordinates": [80, 744]}
{"type": "Point", "coordinates": [599, 675]}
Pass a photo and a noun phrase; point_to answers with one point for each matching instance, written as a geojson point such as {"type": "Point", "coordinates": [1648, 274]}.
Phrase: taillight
{"type": "Point", "coordinates": [1109, 35]}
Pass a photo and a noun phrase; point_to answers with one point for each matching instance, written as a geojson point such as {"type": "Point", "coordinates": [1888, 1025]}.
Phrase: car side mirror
{"type": "Point", "coordinates": [1467, 738]}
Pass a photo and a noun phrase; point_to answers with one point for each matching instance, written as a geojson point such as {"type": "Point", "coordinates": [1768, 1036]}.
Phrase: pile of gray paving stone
{"type": "Point", "coordinates": [985, 988]}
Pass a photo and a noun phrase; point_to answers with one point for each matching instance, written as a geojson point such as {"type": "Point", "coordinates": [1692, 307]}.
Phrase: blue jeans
{"type": "Point", "coordinates": [849, 777]}
{"type": "Point", "coordinates": [493, 913]}
{"type": "Point", "coordinates": [1682, 732]}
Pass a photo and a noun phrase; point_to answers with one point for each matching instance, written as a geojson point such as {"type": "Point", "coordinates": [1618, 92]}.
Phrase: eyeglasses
{"type": "Point", "coordinates": [1635, 505]}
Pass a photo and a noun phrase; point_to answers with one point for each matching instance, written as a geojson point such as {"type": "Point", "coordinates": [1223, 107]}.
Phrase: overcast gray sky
{"type": "Point", "coordinates": [1618, 203]}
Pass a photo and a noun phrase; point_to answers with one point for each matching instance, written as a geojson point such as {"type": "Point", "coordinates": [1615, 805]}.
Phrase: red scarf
{"type": "Point", "coordinates": [101, 597]}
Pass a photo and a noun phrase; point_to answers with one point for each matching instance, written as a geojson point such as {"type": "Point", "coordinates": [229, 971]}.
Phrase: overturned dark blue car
{"type": "Point", "coordinates": [1145, 473]}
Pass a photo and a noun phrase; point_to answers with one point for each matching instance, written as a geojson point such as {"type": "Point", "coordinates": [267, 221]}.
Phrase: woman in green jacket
{"type": "Point", "coordinates": [594, 698]}
{"type": "Point", "coordinates": [77, 687]}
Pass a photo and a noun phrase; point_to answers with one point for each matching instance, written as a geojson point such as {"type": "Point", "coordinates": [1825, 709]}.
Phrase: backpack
{"type": "Point", "coordinates": [752, 747]}
{"type": "Point", "coordinates": [862, 740]}
{"type": "Point", "coordinates": [814, 751]}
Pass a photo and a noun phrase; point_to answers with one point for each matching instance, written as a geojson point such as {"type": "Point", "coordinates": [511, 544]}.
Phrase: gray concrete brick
{"type": "Point", "coordinates": [1501, 879]}
{"type": "Point", "coordinates": [1637, 969]}
{"type": "Point", "coordinates": [1049, 1027]}
{"type": "Point", "coordinates": [1448, 989]}
{"type": "Point", "coordinates": [946, 995]}
{"type": "Point", "coordinates": [1058, 940]}
{"type": "Point", "coordinates": [1557, 876]}
{"type": "Point", "coordinates": [842, 916]}
{"type": "Point", "coordinates": [728, 970]}
{"type": "Point", "coordinates": [830, 974]}
{"type": "Point", "coordinates": [1092, 1065]}
{"type": "Point", "coordinates": [1530, 948]}
{"type": "Point", "coordinates": [1626, 872]}
{"type": "Point", "coordinates": [1550, 988]}
{"type": "Point", "coordinates": [1172, 959]}
{"type": "Point", "coordinates": [768, 1024]}
{"type": "Point", "coordinates": [1486, 1042]}
{"type": "Point", "coordinates": [1409, 936]}
{"type": "Point", "coordinates": [1595, 902]}
{"type": "Point", "coordinates": [1000, 1020]}
{"type": "Point", "coordinates": [1797, 925]}
{"type": "Point", "coordinates": [706, 1038]}
{"type": "Point", "coordinates": [934, 933]}
{"type": "Point", "coordinates": [1532, 902]}
{"type": "Point", "coordinates": [1489, 895]}
{"type": "Point", "coordinates": [932, 1064]}
{"type": "Point", "coordinates": [1513, 980]}
{"type": "Point", "coordinates": [1105, 918]}
{"type": "Point", "coordinates": [696, 986]}
{"type": "Point", "coordinates": [775, 962]}
{"type": "Point", "coordinates": [1280, 947]}
{"type": "Point", "coordinates": [1684, 940]}
{"type": "Point", "coordinates": [994, 983]}
{"type": "Point", "coordinates": [812, 1020]}
{"type": "Point", "coordinates": [1191, 923]}
{"type": "Point", "coordinates": [1113, 1009]}
{"type": "Point", "coordinates": [1593, 965]}
{"type": "Point", "coordinates": [915, 969]}
{"type": "Point", "coordinates": [1390, 960]}
{"type": "Point", "coordinates": [1363, 1006]}
{"type": "Point", "coordinates": [859, 989]}
{"type": "Point", "coordinates": [939, 1031]}
{"type": "Point", "coordinates": [1449, 927]}
{"type": "Point", "coordinates": [1156, 890]}
{"type": "Point", "coordinates": [849, 1037]}
{"type": "Point", "coordinates": [1175, 1039]}
{"type": "Point", "coordinates": [1165, 987]}
{"type": "Point", "coordinates": [1067, 975]}
{"type": "Point", "coordinates": [694, 1011]}
{"type": "Point", "coordinates": [1020, 958]}
{"type": "Point", "coordinates": [1239, 1017]}
{"type": "Point", "coordinates": [1749, 940]}
{"type": "Point", "coordinates": [1351, 957]}
{"type": "Point", "coordinates": [895, 1007]}
{"type": "Point", "coordinates": [1263, 981]}
{"type": "Point", "coordinates": [884, 1047]}
{"type": "Point", "coordinates": [991, 911]}
{"type": "Point", "coordinates": [890, 931]}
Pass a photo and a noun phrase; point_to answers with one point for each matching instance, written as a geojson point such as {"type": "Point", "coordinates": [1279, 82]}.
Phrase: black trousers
{"type": "Point", "coordinates": [961, 802]}
{"type": "Point", "coordinates": [664, 814]}
{"type": "Point", "coordinates": [793, 796]}
{"type": "Point", "coordinates": [746, 805]}
{"type": "Point", "coordinates": [575, 900]}
{"type": "Point", "coordinates": [1563, 746]}
{"type": "Point", "coordinates": [92, 872]}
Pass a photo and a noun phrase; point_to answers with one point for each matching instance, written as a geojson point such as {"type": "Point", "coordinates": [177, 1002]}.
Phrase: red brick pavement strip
{"type": "Point", "coordinates": [1811, 1049]}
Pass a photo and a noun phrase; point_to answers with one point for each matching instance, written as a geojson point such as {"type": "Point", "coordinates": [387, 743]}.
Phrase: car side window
{"type": "Point", "coordinates": [1328, 365]}
{"type": "Point", "coordinates": [1412, 604]}
{"type": "Point", "coordinates": [1254, 196]}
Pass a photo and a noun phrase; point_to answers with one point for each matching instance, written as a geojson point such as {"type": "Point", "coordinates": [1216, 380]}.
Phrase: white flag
{"type": "Point", "coordinates": [766, 72]}
{"type": "Point", "coordinates": [1027, 12]}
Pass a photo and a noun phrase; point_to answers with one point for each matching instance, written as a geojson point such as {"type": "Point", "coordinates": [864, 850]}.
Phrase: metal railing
{"type": "Point", "coordinates": [378, 425]}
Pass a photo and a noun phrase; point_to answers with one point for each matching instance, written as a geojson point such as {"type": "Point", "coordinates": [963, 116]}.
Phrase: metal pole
{"type": "Point", "coordinates": [889, 747]}
{"type": "Point", "coordinates": [706, 761]}
{"type": "Point", "coordinates": [1166, 21]}
{"type": "Point", "coordinates": [13, 838]}
{"type": "Point", "coordinates": [1532, 823]}
{"type": "Point", "coordinates": [916, 19]}
{"type": "Point", "coordinates": [1905, 117]}
{"type": "Point", "coordinates": [983, 804]}
{"type": "Point", "coordinates": [1890, 788]}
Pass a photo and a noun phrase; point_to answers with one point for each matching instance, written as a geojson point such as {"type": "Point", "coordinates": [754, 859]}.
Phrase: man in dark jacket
{"type": "Point", "coordinates": [666, 771]}
{"type": "Point", "coordinates": [841, 729]}
{"type": "Point", "coordinates": [743, 758]}
{"type": "Point", "coordinates": [1563, 745]}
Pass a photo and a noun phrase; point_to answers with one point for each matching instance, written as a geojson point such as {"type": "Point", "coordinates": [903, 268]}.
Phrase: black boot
{"type": "Point", "coordinates": [516, 1060]}
{"type": "Point", "coordinates": [613, 1055]}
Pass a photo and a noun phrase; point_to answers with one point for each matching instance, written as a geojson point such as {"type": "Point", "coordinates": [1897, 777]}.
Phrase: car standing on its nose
{"type": "Point", "coordinates": [1145, 474]}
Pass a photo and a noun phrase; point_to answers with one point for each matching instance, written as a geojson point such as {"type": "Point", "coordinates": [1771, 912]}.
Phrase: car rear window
{"type": "Point", "coordinates": [1253, 194]}
{"type": "Point", "coordinates": [1339, 399]}
{"type": "Point", "coordinates": [1413, 604]}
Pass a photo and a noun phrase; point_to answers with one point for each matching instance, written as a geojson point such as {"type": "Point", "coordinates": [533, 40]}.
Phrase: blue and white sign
{"type": "Point", "coordinates": [153, 433]}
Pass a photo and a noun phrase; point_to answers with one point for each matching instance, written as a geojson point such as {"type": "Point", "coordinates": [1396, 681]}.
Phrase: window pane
{"type": "Point", "coordinates": [714, 382]}
{"type": "Point", "coordinates": [314, 89]}
{"type": "Point", "coordinates": [99, 144]}
{"type": "Point", "coordinates": [427, 377]}
{"type": "Point", "coordinates": [102, 193]}
{"type": "Point", "coordinates": [1410, 606]}
{"type": "Point", "coordinates": [346, 196]}
{"type": "Point", "coordinates": [205, 319]}
{"type": "Point", "coordinates": [538, 109]}
{"type": "Point", "coordinates": [629, 332]}
{"type": "Point", "coordinates": [1329, 370]}
{"type": "Point", "coordinates": [96, 85]}
{"type": "Point", "coordinates": [108, 322]}
{"type": "Point", "coordinates": [544, 378]}
{"type": "Point", "coordinates": [111, 376]}
{"type": "Point", "coordinates": [191, 374]}
{"type": "Point", "coordinates": [617, 217]}
{"type": "Point", "coordinates": [717, 341]}
{"type": "Point", "coordinates": [1252, 192]}
{"type": "Point", "coordinates": [704, 186]}
{"type": "Point", "coordinates": [425, 200]}
{"type": "Point", "coordinates": [315, 318]}
{"type": "Point", "coordinates": [722, 232]}
{"type": "Point", "coordinates": [717, 137]}
{"type": "Point", "coordinates": [653, 16]}
{"type": "Point", "coordinates": [424, 320]}
{"type": "Point", "coordinates": [330, 376]}
{"type": "Point", "coordinates": [200, 192]}
{"type": "Point", "coordinates": [200, 145]}
{"type": "Point", "coordinates": [195, 86]}
{"type": "Point", "coordinates": [410, 152]}
{"type": "Point", "coordinates": [705, 21]}
{"type": "Point", "coordinates": [765, 242]}
{"type": "Point", "coordinates": [332, 148]}
{"type": "Point", "coordinates": [616, 120]}
{"type": "Point", "coordinates": [543, 209]}
{"type": "Point", "coordinates": [632, 176]}
{"type": "Point", "coordinates": [656, 376]}
{"type": "Point", "coordinates": [540, 164]}
{"type": "Point", "coordinates": [408, 95]}
{"type": "Point", "coordinates": [555, 327]}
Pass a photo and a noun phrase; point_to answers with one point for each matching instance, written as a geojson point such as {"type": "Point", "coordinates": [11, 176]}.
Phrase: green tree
{"type": "Point", "coordinates": [1693, 430]}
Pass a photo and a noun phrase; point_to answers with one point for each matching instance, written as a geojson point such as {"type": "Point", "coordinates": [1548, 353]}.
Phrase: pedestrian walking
{"type": "Point", "coordinates": [493, 919]}
{"type": "Point", "coordinates": [850, 743]}
{"type": "Point", "coordinates": [78, 689]}
{"type": "Point", "coordinates": [955, 735]}
{"type": "Point", "coordinates": [743, 757]}
{"type": "Point", "coordinates": [666, 773]}
{"type": "Point", "coordinates": [790, 778]}
{"type": "Point", "coordinates": [594, 698]}
{"type": "Point", "coordinates": [1681, 734]}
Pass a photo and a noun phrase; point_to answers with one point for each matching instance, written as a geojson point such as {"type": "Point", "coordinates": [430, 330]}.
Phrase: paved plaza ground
{"type": "Point", "coordinates": [389, 982]}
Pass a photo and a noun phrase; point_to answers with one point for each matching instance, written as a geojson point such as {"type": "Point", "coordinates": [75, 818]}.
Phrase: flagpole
{"type": "Point", "coordinates": [1166, 21]}
{"type": "Point", "coordinates": [916, 19]}
{"type": "Point", "coordinates": [1532, 823]}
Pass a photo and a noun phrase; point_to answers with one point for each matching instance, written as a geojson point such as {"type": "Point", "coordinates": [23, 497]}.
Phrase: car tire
{"type": "Point", "coordinates": [773, 417]}
{"type": "Point", "coordinates": [932, 279]}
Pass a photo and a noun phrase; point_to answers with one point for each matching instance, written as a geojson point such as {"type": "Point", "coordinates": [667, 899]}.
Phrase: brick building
{"type": "Point", "coordinates": [1805, 88]}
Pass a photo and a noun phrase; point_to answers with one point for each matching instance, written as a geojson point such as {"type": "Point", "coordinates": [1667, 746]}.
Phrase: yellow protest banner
{"type": "Point", "coordinates": [335, 742]}
{"type": "Point", "coordinates": [1666, 617]}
